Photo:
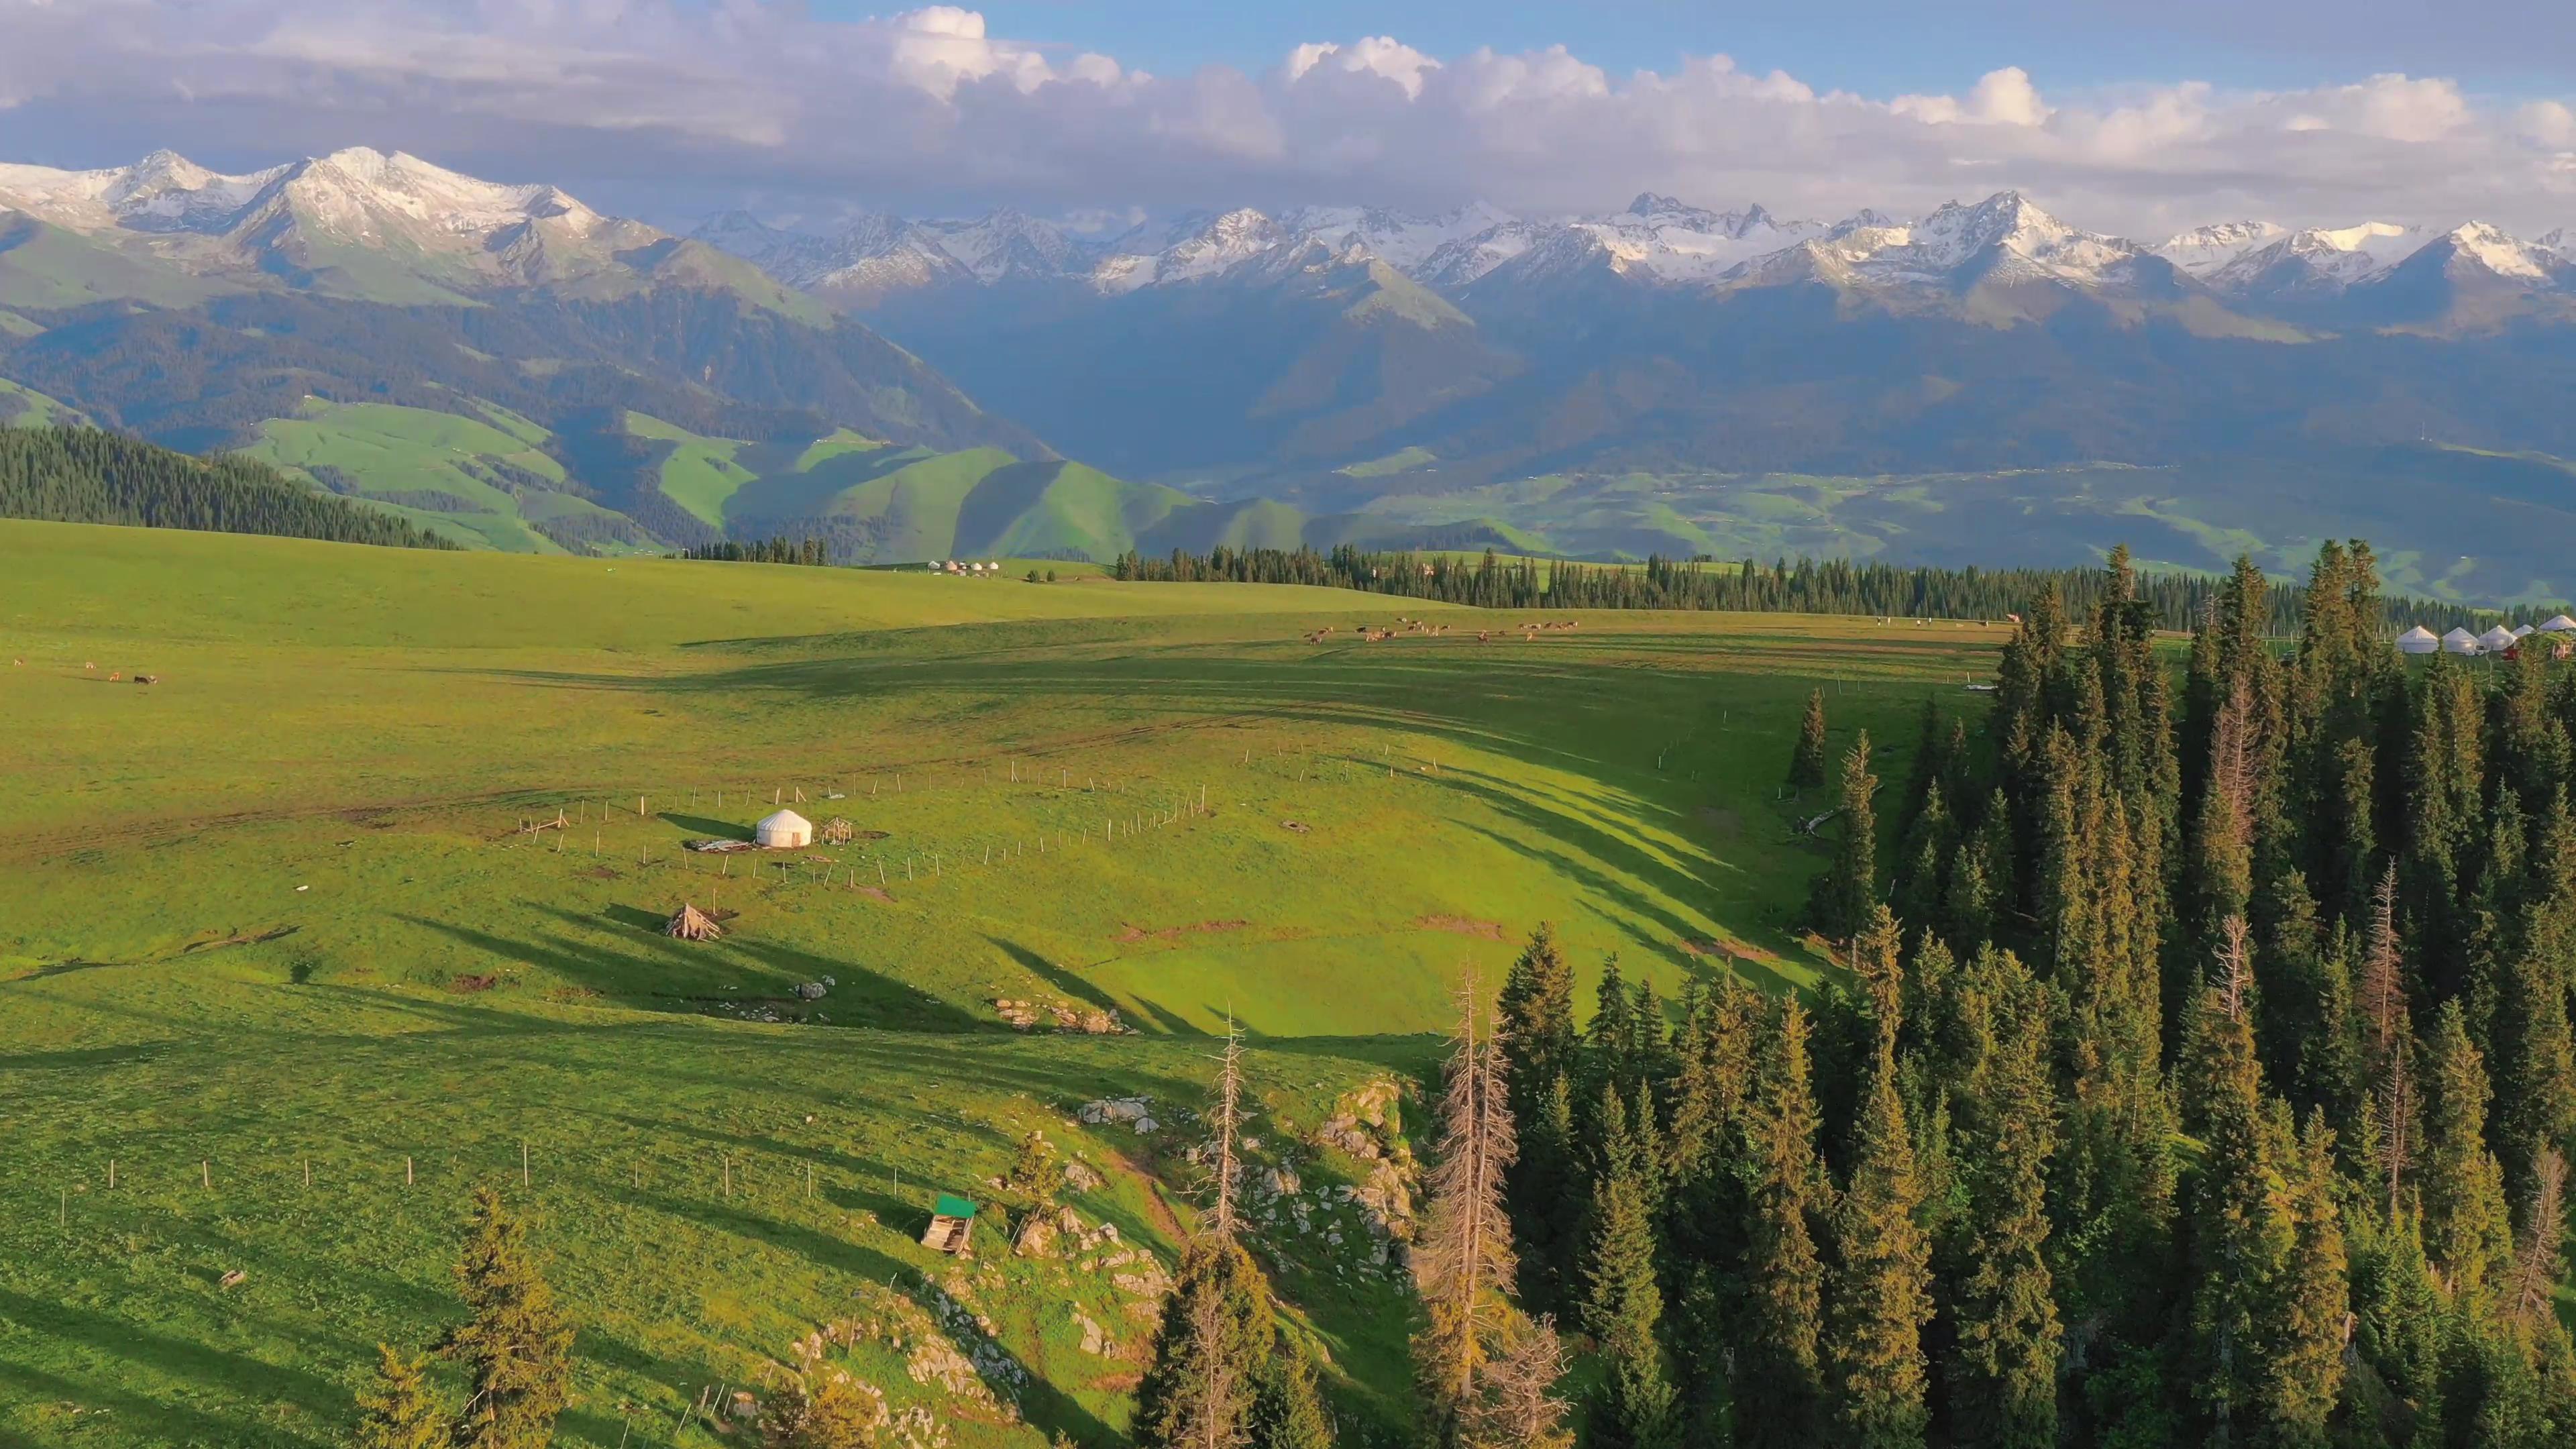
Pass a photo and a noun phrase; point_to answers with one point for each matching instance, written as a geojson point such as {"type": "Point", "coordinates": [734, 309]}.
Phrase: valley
{"type": "Point", "coordinates": [276, 915]}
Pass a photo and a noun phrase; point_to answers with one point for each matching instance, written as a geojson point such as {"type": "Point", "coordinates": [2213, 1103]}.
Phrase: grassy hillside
{"type": "Point", "coordinates": [479, 481]}
{"type": "Point", "coordinates": [24, 407]}
{"type": "Point", "coordinates": [274, 914]}
{"type": "Point", "coordinates": [84, 475]}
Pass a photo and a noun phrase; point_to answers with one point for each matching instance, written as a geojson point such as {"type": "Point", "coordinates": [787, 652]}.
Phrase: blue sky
{"type": "Point", "coordinates": [2506, 47]}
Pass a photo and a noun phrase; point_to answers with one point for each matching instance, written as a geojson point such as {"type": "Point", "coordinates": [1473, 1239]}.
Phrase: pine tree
{"type": "Point", "coordinates": [1704, 1224]}
{"type": "Point", "coordinates": [2535, 1060]}
{"type": "Point", "coordinates": [400, 1410]}
{"type": "Point", "coordinates": [1622, 1302]}
{"type": "Point", "coordinates": [2466, 1227]}
{"type": "Point", "coordinates": [1287, 1405]}
{"type": "Point", "coordinates": [1807, 762]}
{"type": "Point", "coordinates": [1848, 890]}
{"type": "Point", "coordinates": [1882, 1283]}
{"type": "Point", "coordinates": [1779, 1381]}
{"type": "Point", "coordinates": [2399, 1324]}
{"type": "Point", "coordinates": [1922, 882]}
{"type": "Point", "coordinates": [1216, 1332]}
{"type": "Point", "coordinates": [2243, 1225]}
{"type": "Point", "coordinates": [2305, 1333]}
{"type": "Point", "coordinates": [1465, 1264]}
{"type": "Point", "coordinates": [1534, 1021]}
{"type": "Point", "coordinates": [517, 1347]}
{"type": "Point", "coordinates": [1981, 879]}
{"type": "Point", "coordinates": [1534, 1018]}
{"type": "Point", "coordinates": [2003, 1378]}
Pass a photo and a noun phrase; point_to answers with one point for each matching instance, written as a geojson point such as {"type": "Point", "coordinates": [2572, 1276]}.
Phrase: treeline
{"type": "Point", "coordinates": [87, 475]}
{"type": "Point", "coordinates": [811, 551]}
{"type": "Point", "coordinates": [1805, 586]}
{"type": "Point", "coordinates": [2204, 1074]}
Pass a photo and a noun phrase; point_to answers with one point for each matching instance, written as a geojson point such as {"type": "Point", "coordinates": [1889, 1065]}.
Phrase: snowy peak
{"type": "Point", "coordinates": [2002, 239]}
{"type": "Point", "coordinates": [1401, 239]}
{"type": "Point", "coordinates": [1198, 247]}
{"type": "Point", "coordinates": [2205, 249]}
{"type": "Point", "coordinates": [2486, 246]}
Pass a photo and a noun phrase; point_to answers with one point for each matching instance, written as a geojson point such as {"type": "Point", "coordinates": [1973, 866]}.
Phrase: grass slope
{"type": "Point", "coordinates": [271, 915]}
{"type": "Point", "coordinates": [45, 267]}
{"type": "Point", "coordinates": [456, 474]}
{"type": "Point", "coordinates": [24, 407]}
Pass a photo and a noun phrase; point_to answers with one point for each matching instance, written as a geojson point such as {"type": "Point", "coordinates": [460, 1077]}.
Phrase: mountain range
{"type": "Point", "coordinates": [1661, 378]}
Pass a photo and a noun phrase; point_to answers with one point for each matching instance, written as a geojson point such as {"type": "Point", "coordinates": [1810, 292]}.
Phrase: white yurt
{"type": "Point", "coordinates": [2523, 631]}
{"type": "Point", "coordinates": [785, 830]}
{"type": "Point", "coordinates": [2459, 641]}
{"type": "Point", "coordinates": [2558, 624]}
{"type": "Point", "coordinates": [2418, 640]}
{"type": "Point", "coordinates": [2496, 639]}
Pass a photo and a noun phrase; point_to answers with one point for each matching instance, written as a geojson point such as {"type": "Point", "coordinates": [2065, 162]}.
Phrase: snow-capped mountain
{"type": "Point", "coordinates": [2002, 241]}
{"type": "Point", "coordinates": [2204, 249]}
{"type": "Point", "coordinates": [1192, 248]}
{"type": "Point", "coordinates": [1399, 239]}
{"type": "Point", "coordinates": [395, 222]}
{"type": "Point", "coordinates": [2315, 261]}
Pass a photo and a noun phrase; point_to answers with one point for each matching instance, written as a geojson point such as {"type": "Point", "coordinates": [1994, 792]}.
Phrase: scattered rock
{"type": "Point", "coordinates": [231, 1279]}
{"type": "Point", "coordinates": [1029, 1015]}
{"type": "Point", "coordinates": [1037, 1239]}
{"type": "Point", "coordinates": [1079, 1176]}
{"type": "Point", "coordinates": [1115, 1109]}
{"type": "Point", "coordinates": [812, 990]}
{"type": "Point", "coordinates": [1145, 1125]}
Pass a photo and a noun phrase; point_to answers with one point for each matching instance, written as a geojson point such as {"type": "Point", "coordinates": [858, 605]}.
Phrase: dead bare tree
{"type": "Point", "coordinates": [2234, 968]}
{"type": "Point", "coordinates": [2383, 975]}
{"type": "Point", "coordinates": [2535, 1268]}
{"type": "Point", "coordinates": [1465, 1266]}
{"type": "Point", "coordinates": [1516, 1406]}
{"type": "Point", "coordinates": [2391, 1034]}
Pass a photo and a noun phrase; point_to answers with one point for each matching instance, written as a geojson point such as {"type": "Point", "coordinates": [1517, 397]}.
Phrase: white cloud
{"type": "Point", "coordinates": [2000, 98]}
{"type": "Point", "coordinates": [667, 105]}
{"type": "Point", "coordinates": [1377, 55]}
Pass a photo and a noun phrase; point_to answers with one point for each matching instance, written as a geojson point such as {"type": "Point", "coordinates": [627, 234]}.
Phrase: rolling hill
{"type": "Point", "coordinates": [83, 475]}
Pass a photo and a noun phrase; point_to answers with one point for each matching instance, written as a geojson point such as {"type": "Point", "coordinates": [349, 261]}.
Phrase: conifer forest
{"type": "Point", "coordinates": [2205, 1076]}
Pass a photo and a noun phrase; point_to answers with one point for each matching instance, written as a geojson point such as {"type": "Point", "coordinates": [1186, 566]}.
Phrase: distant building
{"type": "Point", "coordinates": [2496, 640]}
{"type": "Point", "coordinates": [785, 830]}
{"type": "Point", "coordinates": [2459, 641]}
{"type": "Point", "coordinates": [2558, 624]}
{"type": "Point", "coordinates": [2418, 640]}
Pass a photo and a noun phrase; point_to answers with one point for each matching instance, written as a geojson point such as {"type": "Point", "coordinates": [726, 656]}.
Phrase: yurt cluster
{"type": "Point", "coordinates": [2499, 639]}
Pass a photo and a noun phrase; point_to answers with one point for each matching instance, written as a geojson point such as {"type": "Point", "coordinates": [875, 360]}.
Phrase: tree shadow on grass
{"type": "Point", "coordinates": [153, 1420]}
{"type": "Point", "coordinates": [646, 971]}
{"type": "Point", "coordinates": [708, 826]}
{"type": "Point", "coordinates": [121, 1338]}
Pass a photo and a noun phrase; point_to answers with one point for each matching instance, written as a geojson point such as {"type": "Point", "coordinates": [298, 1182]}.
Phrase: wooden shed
{"type": "Point", "coordinates": [952, 1227]}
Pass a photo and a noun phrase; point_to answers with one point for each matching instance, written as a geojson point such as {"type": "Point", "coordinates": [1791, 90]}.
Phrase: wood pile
{"type": "Point", "coordinates": [691, 924]}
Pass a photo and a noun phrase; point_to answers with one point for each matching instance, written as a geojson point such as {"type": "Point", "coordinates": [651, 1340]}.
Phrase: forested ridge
{"type": "Point", "coordinates": [1802, 586]}
{"type": "Point", "coordinates": [86, 475]}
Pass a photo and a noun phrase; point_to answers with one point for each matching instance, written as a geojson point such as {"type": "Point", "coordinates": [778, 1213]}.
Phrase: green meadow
{"type": "Point", "coordinates": [278, 944]}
